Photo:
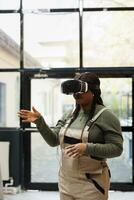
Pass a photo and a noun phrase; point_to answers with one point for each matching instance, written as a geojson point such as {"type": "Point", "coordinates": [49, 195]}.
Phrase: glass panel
{"type": "Point", "coordinates": [122, 164]}
{"type": "Point", "coordinates": [48, 99]}
{"type": "Point", "coordinates": [46, 96]}
{"type": "Point", "coordinates": [51, 45]}
{"type": "Point", "coordinates": [45, 160]}
{"type": "Point", "coordinates": [9, 99]}
{"type": "Point", "coordinates": [118, 97]}
{"type": "Point", "coordinates": [108, 3]}
{"type": "Point", "coordinates": [9, 41]}
{"type": "Point", "coordinates": [108, 39]}
{"type": "Point", "coordinates": [30, 4]}
{"type": "Point", "coordinates": [9, 4]}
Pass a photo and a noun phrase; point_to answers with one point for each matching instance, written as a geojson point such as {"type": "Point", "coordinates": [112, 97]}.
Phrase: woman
{"type": "Point", "coordinates": [87, 137]}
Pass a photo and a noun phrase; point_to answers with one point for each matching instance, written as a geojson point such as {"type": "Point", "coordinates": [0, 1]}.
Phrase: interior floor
{"type": "Point", "coordinates": [46, 195]}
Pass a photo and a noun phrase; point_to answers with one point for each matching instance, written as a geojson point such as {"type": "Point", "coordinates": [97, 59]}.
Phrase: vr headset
{"type": "Point", "coordinates": [74, 86]}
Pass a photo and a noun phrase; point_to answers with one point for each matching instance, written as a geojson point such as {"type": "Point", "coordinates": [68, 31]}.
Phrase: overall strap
{"type": "Point", "coordinates": [98, 114]}
{"type": "Point", "coordinates": [85, 132]}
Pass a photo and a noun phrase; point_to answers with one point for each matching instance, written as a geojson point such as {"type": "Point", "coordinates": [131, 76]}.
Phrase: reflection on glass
{"type": "Point", "coordinates": [106, 36]}
{"type": "Point", "coordinates": [54, 41]}
{"type": "Point", "coordinates": [9, 4]}
{"type": "Point", "coordinates": [106, 3]}
{"type": "Point", "coordinates": [9, 41]}
{"type": "Point", "coordinates": [117, 95]}
{"type": "Point", "coordinates": [44, 159]}
{"type": "Point", "coordinates": [30, 4]}
{"type": "Point", "coordinates": [9, 99]}
{"type": "Point", "coordinates": [46, 96]}
{"type": "Point", "coordinates": [123, 163]}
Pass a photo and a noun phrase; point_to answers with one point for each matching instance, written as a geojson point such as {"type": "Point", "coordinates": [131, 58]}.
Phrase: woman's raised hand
{"type": "Point", "coordinates": [29, 116]}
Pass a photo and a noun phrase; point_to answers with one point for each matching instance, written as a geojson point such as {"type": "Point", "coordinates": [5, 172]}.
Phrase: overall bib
{"type": "Point", "coordinates": [82, 178]}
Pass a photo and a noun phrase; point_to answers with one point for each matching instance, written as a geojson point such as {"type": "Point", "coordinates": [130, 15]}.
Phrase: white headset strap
{"type": "Point", "coordinates": [98, 114]}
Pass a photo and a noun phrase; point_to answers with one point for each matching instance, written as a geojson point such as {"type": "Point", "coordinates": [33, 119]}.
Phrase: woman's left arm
{"type": "Point", "coordinates": [113, 140]}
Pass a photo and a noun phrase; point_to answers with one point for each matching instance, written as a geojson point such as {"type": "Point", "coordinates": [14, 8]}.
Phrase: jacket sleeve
{"type": "Point", "coordinates": [113, 140]}
{"type": "Point", "coordinates": [51, 135]}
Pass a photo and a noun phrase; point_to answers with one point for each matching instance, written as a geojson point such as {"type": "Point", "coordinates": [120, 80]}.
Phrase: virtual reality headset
{"type": "Point", "coordinates": [74, 86]}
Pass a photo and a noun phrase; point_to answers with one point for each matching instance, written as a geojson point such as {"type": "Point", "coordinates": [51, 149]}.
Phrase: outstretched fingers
{"type": "Point", "coordinates": [29, 116]}
{"type": "Point", "coordinates": [23, 114]}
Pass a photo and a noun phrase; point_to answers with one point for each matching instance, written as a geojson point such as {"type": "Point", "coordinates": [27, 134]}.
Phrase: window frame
{"type": "Point", "coordinates": [25, 89]}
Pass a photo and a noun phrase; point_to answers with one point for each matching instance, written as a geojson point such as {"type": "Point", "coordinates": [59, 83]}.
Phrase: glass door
{"type": "Point", "coordinates": [47, 98]}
